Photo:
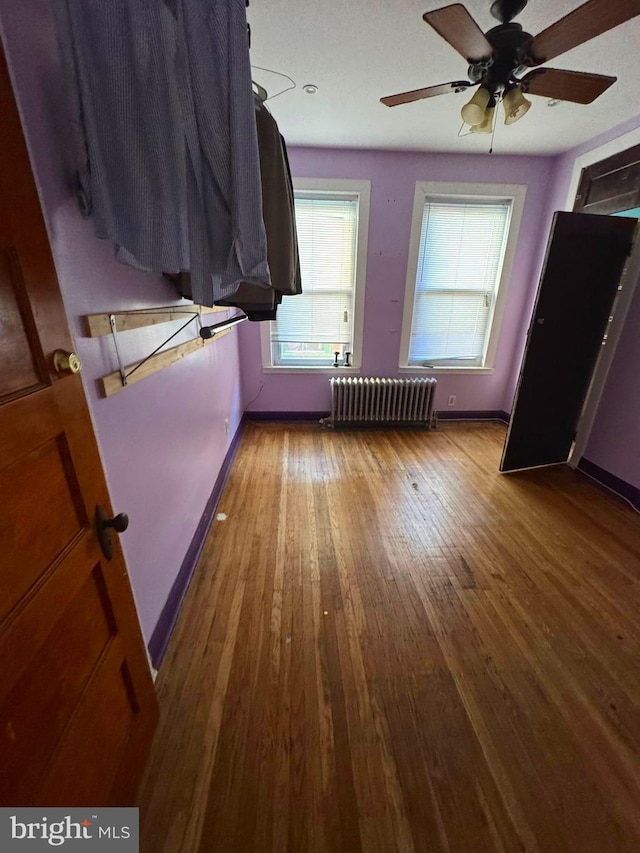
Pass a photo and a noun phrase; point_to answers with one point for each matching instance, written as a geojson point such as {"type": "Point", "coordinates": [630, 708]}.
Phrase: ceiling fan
{"type": "Point", "coordinates": [498, 58]}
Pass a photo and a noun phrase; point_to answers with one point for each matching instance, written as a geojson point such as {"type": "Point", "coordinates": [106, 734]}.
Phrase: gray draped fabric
{"type": "Point", "coordinates": [171, 172]}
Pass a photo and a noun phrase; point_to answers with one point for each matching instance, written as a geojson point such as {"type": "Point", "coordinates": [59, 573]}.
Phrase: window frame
{"type": "Point", "coordinates": [437, 190]}
{"type": "Point", "coordinates": [333, 186]}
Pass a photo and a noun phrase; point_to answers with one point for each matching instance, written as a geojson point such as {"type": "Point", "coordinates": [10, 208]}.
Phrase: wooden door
{"type": "Point", "coordinates": [77, 704]}
{"type": "Point", "coordinates": [585, 258]}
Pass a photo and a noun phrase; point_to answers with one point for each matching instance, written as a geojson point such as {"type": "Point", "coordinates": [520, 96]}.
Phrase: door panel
{"type": "Point", "coordinates": [25, 530]}
{"type": "Point", "coordinates": [585, 258]}
{"type": "Point", "coordinates": [20, 367]}
{"type": "Point", "coordinates": [53, 681]}
{"type": "Point", "coordinates": [77, 705]}
{"type": "Point", "coordinates": [96, 741]}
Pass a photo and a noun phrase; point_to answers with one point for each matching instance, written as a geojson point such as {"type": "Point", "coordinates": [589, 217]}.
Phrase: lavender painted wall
{"type": "Point", "coordinates": [614, 443]}
{"type": "Point", "coordinates": [162, 441]}
{"type": "Point", "coordinates": [393, 176]}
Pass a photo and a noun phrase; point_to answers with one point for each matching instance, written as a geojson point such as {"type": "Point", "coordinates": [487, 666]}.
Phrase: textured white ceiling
{"type": "Point", "coordinates": [360, 50]}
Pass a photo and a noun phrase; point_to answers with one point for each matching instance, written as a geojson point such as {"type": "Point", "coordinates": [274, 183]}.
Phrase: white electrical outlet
{"type": "Point", "coordinates": [226, 426]}
{"type": "Point", "coordinates": [452, 400]}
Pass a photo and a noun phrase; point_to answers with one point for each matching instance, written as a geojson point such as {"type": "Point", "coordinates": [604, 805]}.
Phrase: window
{"type": "Point", "coordinates": [332, 220]}
{"type": "Point", "coordinates": [463, 241]}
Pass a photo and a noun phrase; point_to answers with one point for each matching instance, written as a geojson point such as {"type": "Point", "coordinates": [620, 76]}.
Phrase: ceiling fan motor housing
{"type": "Point", "coordinates": [510, 43]}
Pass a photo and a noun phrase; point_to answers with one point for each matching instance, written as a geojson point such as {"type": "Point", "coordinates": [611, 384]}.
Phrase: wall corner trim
{"type": "Point", "coordinates": [620, 487]}
{"type": "Point", "coordinates": [171, 610]}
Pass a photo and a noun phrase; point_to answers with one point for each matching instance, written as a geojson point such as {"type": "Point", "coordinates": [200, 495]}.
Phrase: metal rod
{"type": "Point", "coordinates": [207, 332]}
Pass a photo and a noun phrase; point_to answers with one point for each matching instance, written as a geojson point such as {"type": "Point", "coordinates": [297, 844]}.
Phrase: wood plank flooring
{"type": "Point", "coordinates": [388, 646]}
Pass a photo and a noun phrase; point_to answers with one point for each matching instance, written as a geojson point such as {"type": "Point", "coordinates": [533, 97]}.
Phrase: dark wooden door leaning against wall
{"type": "Point", "coordinates": [77, 704]}
{"type": "Point", "coordinates": [585, 258]}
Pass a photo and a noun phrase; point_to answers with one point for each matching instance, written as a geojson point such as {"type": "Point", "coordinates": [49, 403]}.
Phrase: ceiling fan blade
{"type": "Point", "coordinates": [573, 86]}
{"type": "Point", "coordinates": [586, 22]}
{"type": "Point", "coordinates": [429, 92]}
{"type": "Point", "coordinates": [456, 26]}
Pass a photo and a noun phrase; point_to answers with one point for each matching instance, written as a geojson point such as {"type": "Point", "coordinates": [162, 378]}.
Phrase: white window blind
{"type": "Point", "coordinates": [321, 317]}
{"type": "Point", "coordinates": [462, 246]}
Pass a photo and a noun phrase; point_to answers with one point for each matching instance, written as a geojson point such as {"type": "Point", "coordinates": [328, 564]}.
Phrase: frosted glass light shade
{"type": "Point", "coordinates": [486, 126]}
{"type": "Point", "coordinates": [473, 112]}
{"type": "Point", "coordinates": [515, 106]}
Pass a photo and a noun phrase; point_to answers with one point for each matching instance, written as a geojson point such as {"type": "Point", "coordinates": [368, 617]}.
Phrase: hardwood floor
{"type": "Point", "coordinates": [388, 646]}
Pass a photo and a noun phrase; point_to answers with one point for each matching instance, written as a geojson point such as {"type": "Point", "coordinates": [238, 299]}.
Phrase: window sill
{"type": "Point", "coordinates": [460, 371]}
{"type": "Point", "coordinates": [320, 371]}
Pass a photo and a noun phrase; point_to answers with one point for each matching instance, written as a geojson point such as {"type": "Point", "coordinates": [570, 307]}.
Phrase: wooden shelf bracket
{"type": "Point", "coordinates": [126, 373]}
{"type": "Point", "coordinates": [160, 357]}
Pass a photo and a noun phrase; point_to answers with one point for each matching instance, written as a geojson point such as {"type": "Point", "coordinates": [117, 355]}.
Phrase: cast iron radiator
{"type": "Point", "coordinates": [373, 400]}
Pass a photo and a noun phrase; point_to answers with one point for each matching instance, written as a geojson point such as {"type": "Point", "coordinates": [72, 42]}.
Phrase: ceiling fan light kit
{"type": "Point", "coordinates": [473, 112]}
{"type": "Point", "coordinates": [499, 60]}
{"type": "Point", "coordinates": [486, 125]}
{"type": "Point", "coordinates": [515, 105]}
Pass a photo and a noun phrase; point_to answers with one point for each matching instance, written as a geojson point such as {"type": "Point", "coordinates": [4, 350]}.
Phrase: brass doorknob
{"type": "Point", "coordinates": [63, 360]}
